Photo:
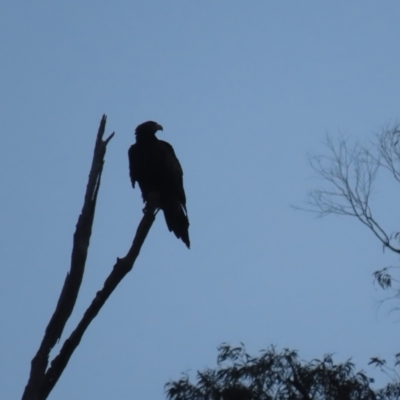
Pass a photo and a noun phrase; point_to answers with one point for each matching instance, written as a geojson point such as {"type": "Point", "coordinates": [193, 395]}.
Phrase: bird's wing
{"type": "Point", "coordinates": [131, 156]}
{"type": "Point", "coordinates": [171, 161]}
{"type": "Point", "coordinates": [173, 171]}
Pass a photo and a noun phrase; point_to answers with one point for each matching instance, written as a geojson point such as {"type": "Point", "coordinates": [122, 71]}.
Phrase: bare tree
{"type": "Point", "coordinates": [348, 174]}
{"type": "Point", "coordinates": [44, 373]}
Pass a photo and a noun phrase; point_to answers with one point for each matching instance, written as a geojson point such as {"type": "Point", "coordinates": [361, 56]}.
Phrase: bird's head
{"type": "Point", "coordinates": [148, 128]}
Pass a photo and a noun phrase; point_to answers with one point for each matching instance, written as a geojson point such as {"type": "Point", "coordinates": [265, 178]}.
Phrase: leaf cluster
{"type": "Point", "coordinates": [273, 375]}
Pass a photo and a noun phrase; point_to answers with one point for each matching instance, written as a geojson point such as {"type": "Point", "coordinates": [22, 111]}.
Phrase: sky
{"type": "Point", "coordinates": [244, 91]}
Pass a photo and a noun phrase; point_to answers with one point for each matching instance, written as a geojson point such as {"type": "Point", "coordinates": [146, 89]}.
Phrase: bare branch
{"type": "Point", "coordinates": [120, 269]}
{"type": "Point", "coordinates": [73, 280]}
{"type": "Point", "coordinates": [350, 174]}
{"type": "Point", "coordinates": [389, 149]}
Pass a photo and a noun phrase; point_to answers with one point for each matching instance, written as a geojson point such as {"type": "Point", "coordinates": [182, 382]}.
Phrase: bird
{"type": "Point", "coordinates": [155, 167]}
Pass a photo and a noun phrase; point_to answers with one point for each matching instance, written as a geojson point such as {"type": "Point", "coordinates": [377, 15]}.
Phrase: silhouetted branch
{"type": "Point", "coordinates": [389, 148]}
{"type": "Point", "coordinates": [350, 174]}
{"type": "Point", "coordinates": [73, 280]}
{"type": "Point", "coordinates": [120, 269]}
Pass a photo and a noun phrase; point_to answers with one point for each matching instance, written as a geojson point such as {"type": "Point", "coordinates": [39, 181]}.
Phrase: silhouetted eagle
{"type": "Point", "coordinates": [155, 167]}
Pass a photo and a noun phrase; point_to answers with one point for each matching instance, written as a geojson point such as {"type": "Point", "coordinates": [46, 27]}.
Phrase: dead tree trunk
{"type": "Point", "coordinates": [43, 377]}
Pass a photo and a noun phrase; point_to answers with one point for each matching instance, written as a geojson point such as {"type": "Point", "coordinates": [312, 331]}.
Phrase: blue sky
{"type": "Point", "coordinates": [244, 90]}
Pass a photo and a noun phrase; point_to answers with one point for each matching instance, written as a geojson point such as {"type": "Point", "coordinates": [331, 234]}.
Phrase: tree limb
{"type": "Point", "coordinates": [350, 173]}
{"type": "Point", "coordinates": [73, 280]}
{"type": "Point", "coordinates": [120, 269]}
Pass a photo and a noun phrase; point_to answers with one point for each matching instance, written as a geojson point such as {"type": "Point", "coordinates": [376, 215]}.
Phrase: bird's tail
{"type": "Point", "coordinates": [177, 219]}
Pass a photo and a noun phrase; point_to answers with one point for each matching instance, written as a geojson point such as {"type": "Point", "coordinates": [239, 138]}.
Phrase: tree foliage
{"type": "Point", "coordinates": [348, 174]}
{"type": "Point", "coordinates": [274, 375]}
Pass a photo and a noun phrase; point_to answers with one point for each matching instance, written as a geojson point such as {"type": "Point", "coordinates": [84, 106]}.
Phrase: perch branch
{"type": "Point", "coordinates": [73, 280]}
{"type": "Point", "coordinates": [120, 269]}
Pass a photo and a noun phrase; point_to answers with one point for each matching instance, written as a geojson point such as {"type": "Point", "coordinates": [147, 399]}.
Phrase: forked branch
{"type": "Point", "coordinates": [120, 269]}
{"type": "Point", "coordinates": [74, 277]}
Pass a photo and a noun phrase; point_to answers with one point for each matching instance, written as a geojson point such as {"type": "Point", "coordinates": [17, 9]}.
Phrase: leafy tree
{"type": "Point", "coordinates": [349, 174]}
{"type": "Point", "coordinates": [275, 375]}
